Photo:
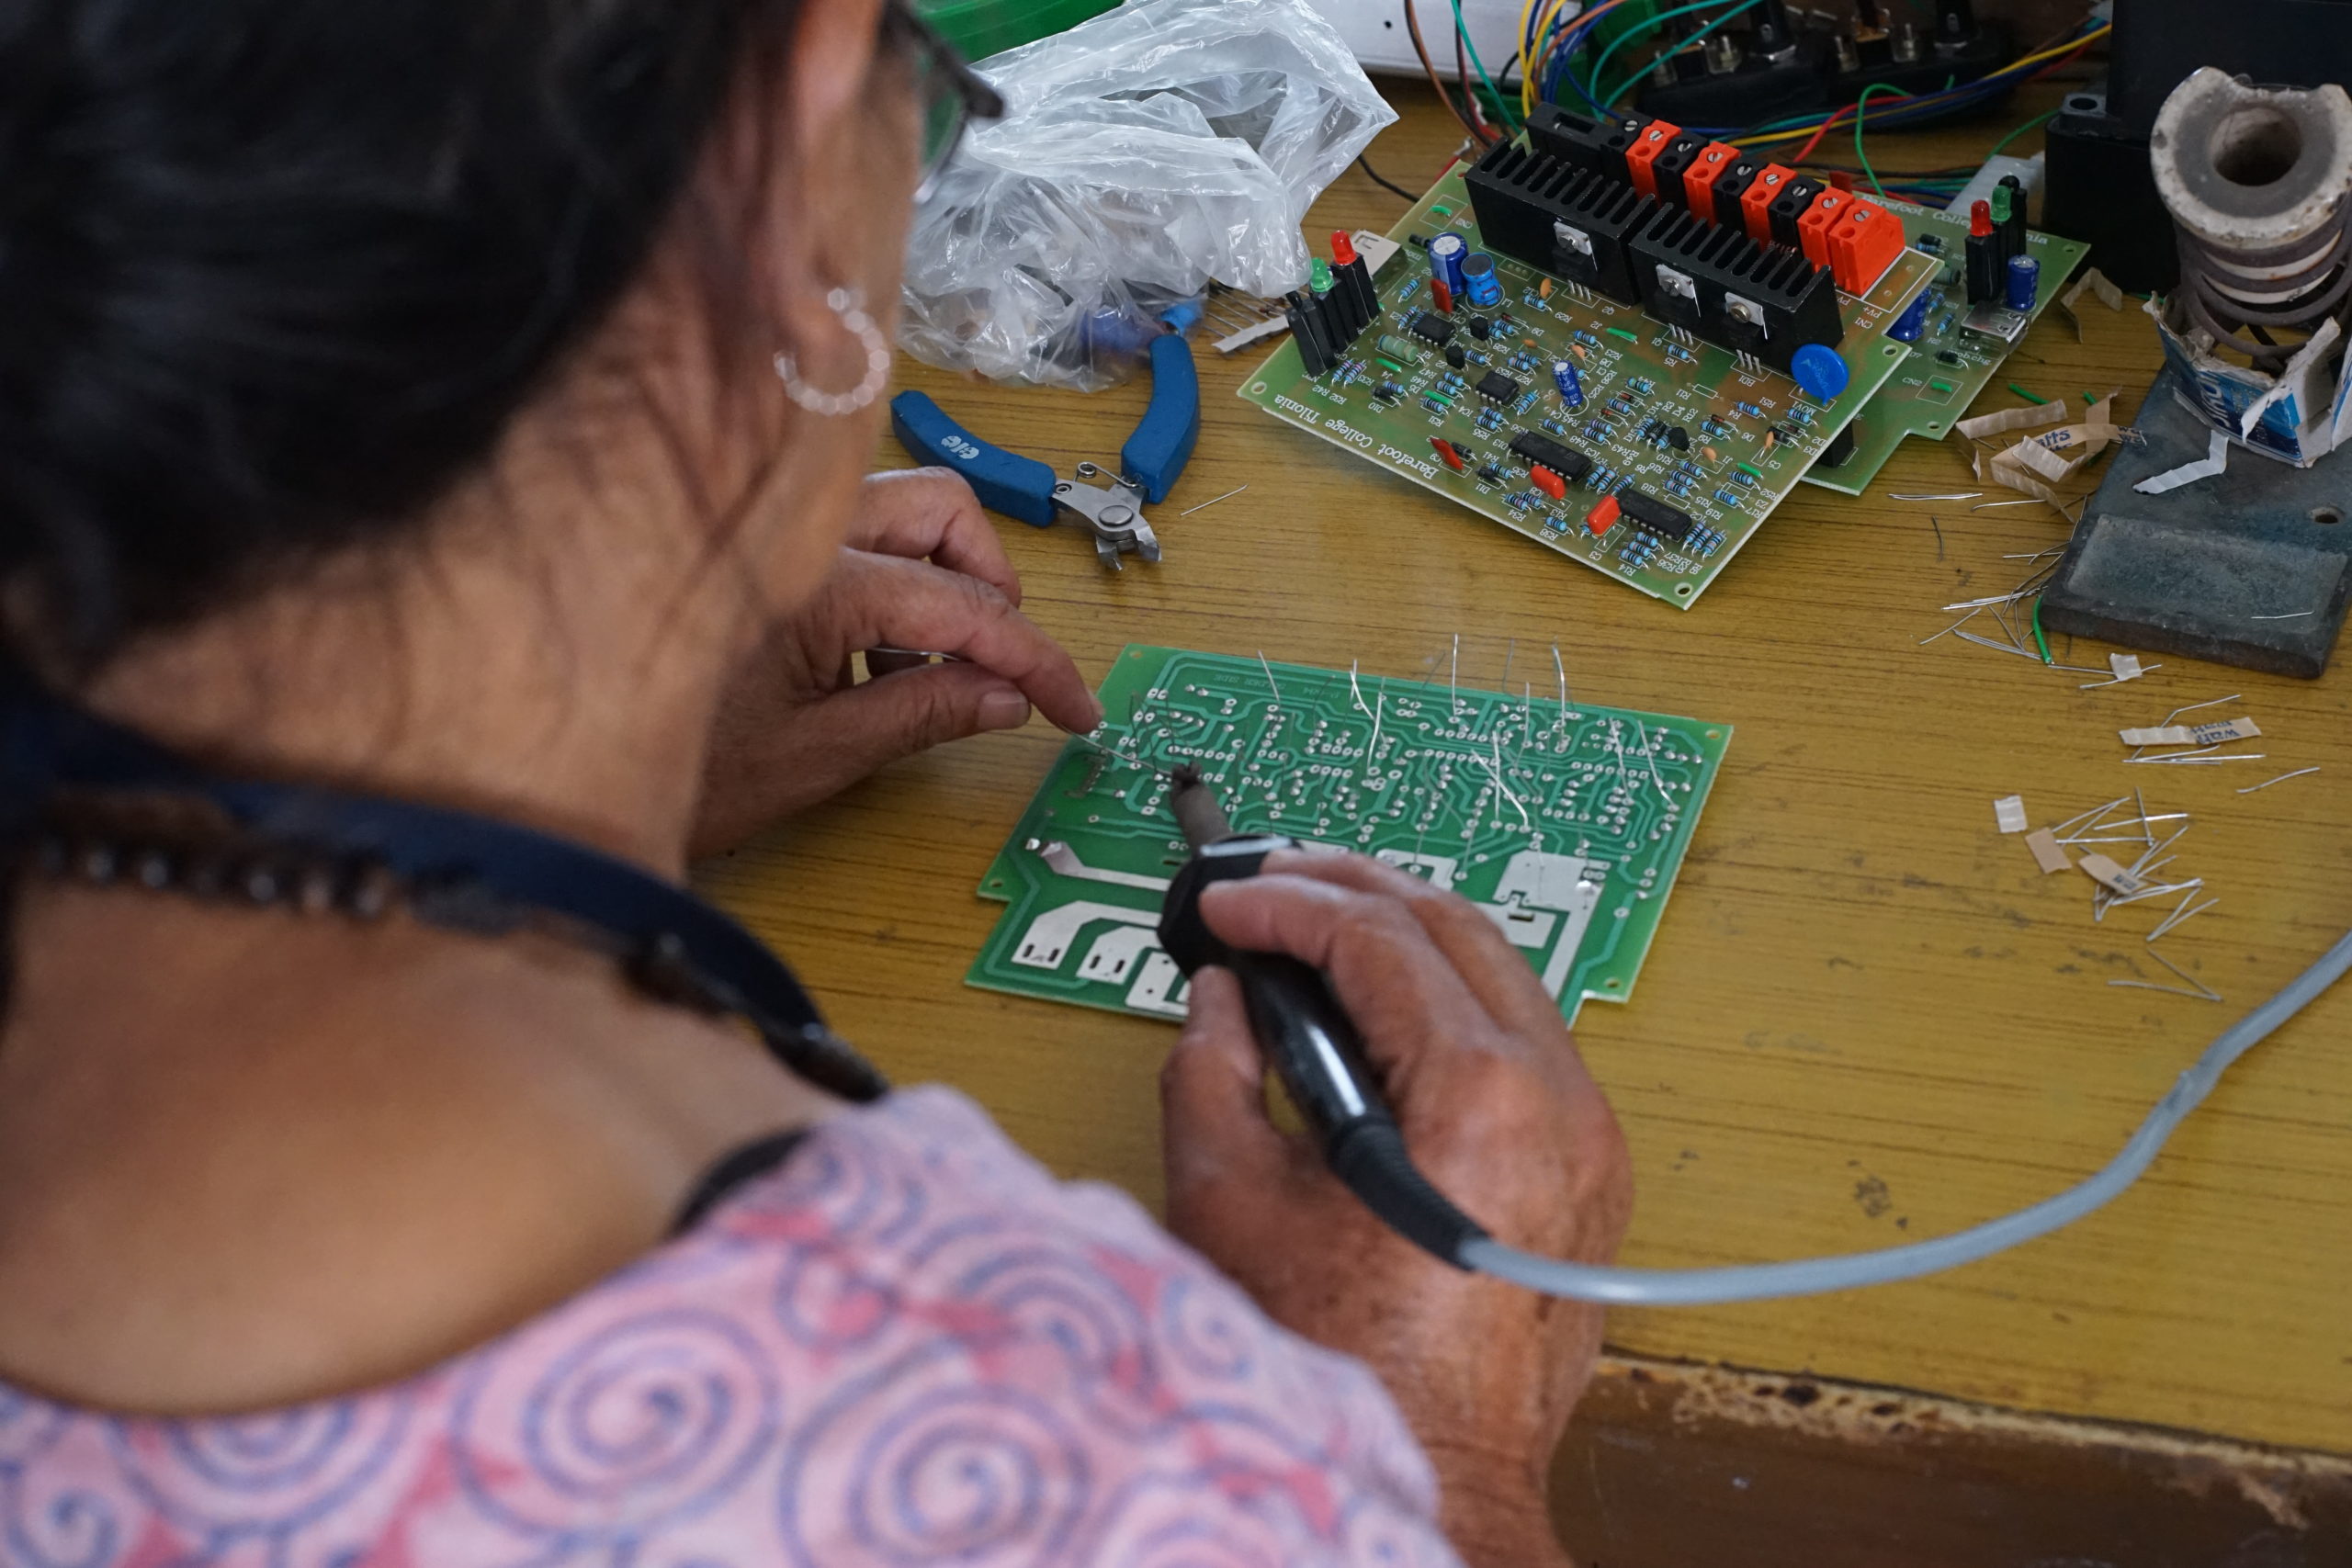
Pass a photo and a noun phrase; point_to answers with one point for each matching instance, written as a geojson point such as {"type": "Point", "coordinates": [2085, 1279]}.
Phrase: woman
{"type": "Point", "coordinates": [439, 423]}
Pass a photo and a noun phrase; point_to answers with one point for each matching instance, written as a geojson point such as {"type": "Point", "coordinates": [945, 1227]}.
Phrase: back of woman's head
{"type": "Point", "coordinates": [276, 273]}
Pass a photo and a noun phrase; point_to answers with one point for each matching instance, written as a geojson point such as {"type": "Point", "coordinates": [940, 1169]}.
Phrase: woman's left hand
{"type": "Point", "coordinates": [922, 567]}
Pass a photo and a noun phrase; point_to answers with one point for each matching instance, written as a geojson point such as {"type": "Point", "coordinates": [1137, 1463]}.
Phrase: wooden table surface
{"type": "Point", "coordinates": [1867, 1018]}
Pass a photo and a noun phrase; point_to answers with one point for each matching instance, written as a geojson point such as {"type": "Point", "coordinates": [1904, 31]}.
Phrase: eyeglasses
{"type": "Point", "coordinates": [951, 92]}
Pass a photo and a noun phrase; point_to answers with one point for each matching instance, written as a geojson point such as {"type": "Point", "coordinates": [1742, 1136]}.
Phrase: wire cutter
{"type": "Point", "coordinates": [1149, 463]}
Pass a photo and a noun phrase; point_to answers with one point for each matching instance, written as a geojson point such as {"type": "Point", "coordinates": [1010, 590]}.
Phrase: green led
{"type": "Point", "coordinates": [1318, 276]}
{"type": "Point", "coordinates": [2000, 204]}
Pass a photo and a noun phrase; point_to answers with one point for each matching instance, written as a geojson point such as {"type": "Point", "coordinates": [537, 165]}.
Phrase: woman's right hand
{"type": "Point", "coordinates": [1497, 1110]}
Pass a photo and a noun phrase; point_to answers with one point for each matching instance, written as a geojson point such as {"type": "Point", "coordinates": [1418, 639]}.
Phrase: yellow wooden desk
{"type": "Point", "coordinates": [1867, 1018]}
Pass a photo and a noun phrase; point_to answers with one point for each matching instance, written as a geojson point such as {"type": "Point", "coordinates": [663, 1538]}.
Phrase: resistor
{"type": "Point", "coordinates": [1586, 339]}
{"type": "Point", "coordinates": [1750, 410]}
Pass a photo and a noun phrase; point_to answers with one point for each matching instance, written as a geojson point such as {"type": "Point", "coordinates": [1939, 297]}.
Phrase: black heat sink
{"type": "Point", "coordinates": [1767, 301]}
{"type": "Point", "coordinates": [1570, 222]}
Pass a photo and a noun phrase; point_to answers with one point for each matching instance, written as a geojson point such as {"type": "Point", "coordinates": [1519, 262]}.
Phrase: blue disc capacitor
{"type": "Point", "coordinates": [1479, 273]}
{"type": "Point", "coordinates": [1820, 370]}
{"type": "Point", "coordinates": [2024, 282]}
{"type": "Point", "coordinates": [1563, 375]}
{"type": "Point", "coordinates": [1913, 324]}
{"type": "Point", "coordinates": [1446, 253]}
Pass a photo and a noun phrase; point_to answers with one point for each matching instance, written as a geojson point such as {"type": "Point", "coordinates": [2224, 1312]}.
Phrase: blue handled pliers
{"type": "Point", "coordinates": [1149, 463]}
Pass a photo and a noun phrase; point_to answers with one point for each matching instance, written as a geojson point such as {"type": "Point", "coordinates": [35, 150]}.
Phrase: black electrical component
{"type": "Point", "coordinates": [1730, 186]}
{"type": "Point", "coordinates": [1389, 390]}
{"type": "Point", "coordinates": [1563, 460]}
{"type": "Point", "coordinates": [1599, 146]}
{"type": "Point", "coordinates": [1667, 168]}
{"type": "Point", "coordinates": [1677, 438]}
{"type": "Point", "coordinates": [1647, 512]}
{"type": "Point", "coordinates": [1840, 450]}
{"type": "Point", "coordinates": [1949, 357]}
{"type": "Point", "coordinates": [1430, 327]}
{"type": "Point", "coordinates": [2013, 232]}
{"type": "Point", "coordinates": [1455, 357]}
{"type": "Point", "coordinates": [1558, 218]}
{"type": "Point", "coordinates": [1765, 69]}
{"type": "Point", "coordinates": [1766, 300]}
{"type": "Point", "coordinates": [1795, 197]}
{"type": "Point", "coordinates": [1490, 474]}
{"type": "Point", "coordinates": [1481, 328]}
{"type": "Point", "coordinates": [1316, 351]}
{"type": "Point", "coordinates": [1495, 387]}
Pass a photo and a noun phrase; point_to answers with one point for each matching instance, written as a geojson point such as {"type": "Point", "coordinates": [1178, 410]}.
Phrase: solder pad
{"type": "Point", "coordinates": [1564, 823]}
{"type": "Point", "coordinates": [1751, 433]}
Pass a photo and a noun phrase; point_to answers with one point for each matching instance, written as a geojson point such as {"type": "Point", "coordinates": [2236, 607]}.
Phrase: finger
{"type": "Point", "coordinates": [932, 513]}
{"type": "Point", "coordinates": [1410, 1005]}
{"type": "Point", "coordinates": [882, 599]}
{"type": "Point", "coordinates": [872, 725]}
{"type": "Point", "coordinates": [1213, 1096]}
{"type": "Point", "coordinates": [1496, 971]}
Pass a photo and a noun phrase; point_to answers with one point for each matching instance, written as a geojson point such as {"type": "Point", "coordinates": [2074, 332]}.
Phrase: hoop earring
{"type": "Point", "coordinates": [849, 305]}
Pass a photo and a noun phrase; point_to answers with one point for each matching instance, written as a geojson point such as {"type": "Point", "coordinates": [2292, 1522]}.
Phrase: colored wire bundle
{"type": "Point", "coordinates": [1554, 33]}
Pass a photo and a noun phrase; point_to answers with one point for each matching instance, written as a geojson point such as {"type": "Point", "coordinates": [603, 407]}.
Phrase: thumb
{"type": "Point", "coordinates": [907, 711]}
{"type": "Point", "coordinates": [1212, 1101]}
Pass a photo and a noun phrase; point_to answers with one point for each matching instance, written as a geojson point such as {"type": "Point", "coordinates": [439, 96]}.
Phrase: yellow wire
{"type": "Point", "coordinates": [1527, 72]}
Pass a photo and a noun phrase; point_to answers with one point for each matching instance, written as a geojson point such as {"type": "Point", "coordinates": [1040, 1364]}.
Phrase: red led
{"type": "Point", "coordinates": [1343, 250]}
{"type": "Point", "coordinates": [1448, 451]}
{"type": "Point", "coordinates": [1547, 481]}
{"type": "Point", "coordinates": [1979, 220]}
{"type": "Point", "coordinates": [1603, 515]}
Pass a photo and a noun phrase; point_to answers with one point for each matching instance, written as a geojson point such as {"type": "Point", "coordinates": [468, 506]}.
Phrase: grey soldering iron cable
{"type": "Point", "coordinates": [1311, 1045]}
{"type": "Point", "coordinates": [1813, 1275]}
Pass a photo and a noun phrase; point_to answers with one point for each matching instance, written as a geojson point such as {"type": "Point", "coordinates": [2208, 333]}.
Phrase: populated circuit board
{"type": "Point", "coordinates": [1747, 434]}
{"type": "Point", "coordinates": [1565, 824]}
{"type": "Point", "coordinates": [1950, 365]}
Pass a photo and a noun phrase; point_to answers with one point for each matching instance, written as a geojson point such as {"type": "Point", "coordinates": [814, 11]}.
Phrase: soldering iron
{"type": "Point", "coordinates": [1316, 1051]}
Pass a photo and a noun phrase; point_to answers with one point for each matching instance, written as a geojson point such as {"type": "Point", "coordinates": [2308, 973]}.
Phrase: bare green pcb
{"type": "Point", "coordinates": [1957, 353]}
{"type": "Point", "coordinates": [1711, 432]}
{"type": "Point", "coordinates": [1565, 824]}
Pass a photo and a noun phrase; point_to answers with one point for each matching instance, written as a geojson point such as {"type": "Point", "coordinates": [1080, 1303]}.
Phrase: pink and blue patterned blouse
{"type": "Point", "coordinates": [905, 1346]}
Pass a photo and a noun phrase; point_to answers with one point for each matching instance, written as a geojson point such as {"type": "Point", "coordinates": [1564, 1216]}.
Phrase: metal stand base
{"type": "Point", "coordinates": [2252, 568]}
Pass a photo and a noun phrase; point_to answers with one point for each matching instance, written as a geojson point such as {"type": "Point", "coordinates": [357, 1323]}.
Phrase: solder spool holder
{"type": "Point", "coordinates": [2251, 566]}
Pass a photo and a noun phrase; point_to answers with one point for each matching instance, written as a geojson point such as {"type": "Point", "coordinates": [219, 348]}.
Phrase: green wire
{"type": "Point", "coordinates": [2013, 135]}
{"type": "Point", "coordinates": [2029, 396]}
{"type": "Point", "coordinates": [2040, 641]}
{"type": "Point", "coordinates": [1861, 108]}
{"type": "Point", "coordinates": [1462, 27]}
{"type": "Point", "coordinates": [1592, 77]}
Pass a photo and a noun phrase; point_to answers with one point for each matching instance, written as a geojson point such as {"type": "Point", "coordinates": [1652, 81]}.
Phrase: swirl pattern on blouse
{"type": "Point", "coordinates": [908, 1346]}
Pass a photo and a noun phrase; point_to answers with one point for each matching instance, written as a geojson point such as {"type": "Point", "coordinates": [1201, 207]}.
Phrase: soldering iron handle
{"type": "Point", "coordinates": [1315, 1050]}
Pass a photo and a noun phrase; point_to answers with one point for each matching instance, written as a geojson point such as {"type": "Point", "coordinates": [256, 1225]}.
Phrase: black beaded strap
{"type": "Point", "coordinates": [91, 802]}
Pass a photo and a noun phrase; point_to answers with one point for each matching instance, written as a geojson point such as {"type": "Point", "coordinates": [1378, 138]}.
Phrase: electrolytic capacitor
{"type": "Point", "coordinates": [1563, 375]}
{"type": "Point", "coordinates": [2024, 281]}
{"type": "Point", "coordinates": [1479, 275]}
{"type": "Point", "coordinates": [1446, 254]}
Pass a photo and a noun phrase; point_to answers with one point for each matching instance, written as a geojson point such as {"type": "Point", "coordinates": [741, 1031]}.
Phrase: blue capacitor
{"type": "Point", "coordinates": [1446, 253]}
{"type": "Point", "coordinates": [1821, 371]}
{"type": "Point", "coordinates": [1478, 272]}
{"type": "Point", "coordinates": [1913, 324]}
{"type": "Point", "coordinates": [1563, 375]}
{"type": "Point", "coordinates": [2024, 282]}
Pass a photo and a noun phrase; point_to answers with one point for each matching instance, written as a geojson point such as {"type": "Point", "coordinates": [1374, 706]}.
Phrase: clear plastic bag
{"type": "Point", "coordinates": [1141, 155]}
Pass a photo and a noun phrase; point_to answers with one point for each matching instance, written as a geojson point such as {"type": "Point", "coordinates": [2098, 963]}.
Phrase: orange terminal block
{"type": "Point", "coordinates": [1863, 245]}
{"type": "Point", "coordinates": [1756, 200]}
{"type": "Point", "coordinates": [1699, 179]}
{"type": "Point", "coordinates": [1547, 481]}
{"type": "Point", "coordinates": [1602, 516]}
{"type": "Point", "coordinates": [1654, 139]}
{"type": "Point", "coordinates": [1812, 229]}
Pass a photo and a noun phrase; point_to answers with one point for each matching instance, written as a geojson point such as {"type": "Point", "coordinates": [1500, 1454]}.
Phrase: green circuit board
{"type": "Point", "coordinates": [1751, 432]}
{"type": "Point", "coordinates": [1566, 824]}
{"type": "Point", "coordinates": [1951, 362]}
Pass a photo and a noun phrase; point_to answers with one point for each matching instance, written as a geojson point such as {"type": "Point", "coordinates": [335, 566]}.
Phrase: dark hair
{"type": "Point", "coordinates": [274, 274]}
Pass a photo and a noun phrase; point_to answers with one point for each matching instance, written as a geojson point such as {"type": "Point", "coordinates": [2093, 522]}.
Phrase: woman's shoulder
{"type": "Point", "coordinates": [907, 1343]}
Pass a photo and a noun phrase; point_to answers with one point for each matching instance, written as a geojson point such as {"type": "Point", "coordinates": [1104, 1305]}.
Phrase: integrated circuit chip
{"type": "Point", "coordinates": [1646, 510]}
{"type": "Point", "coordinates": [1563, 460]}
{"type": "Point", "coordinates": [1430, 327]}
{"type": "Point", "coordinates": [1495, 387]}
